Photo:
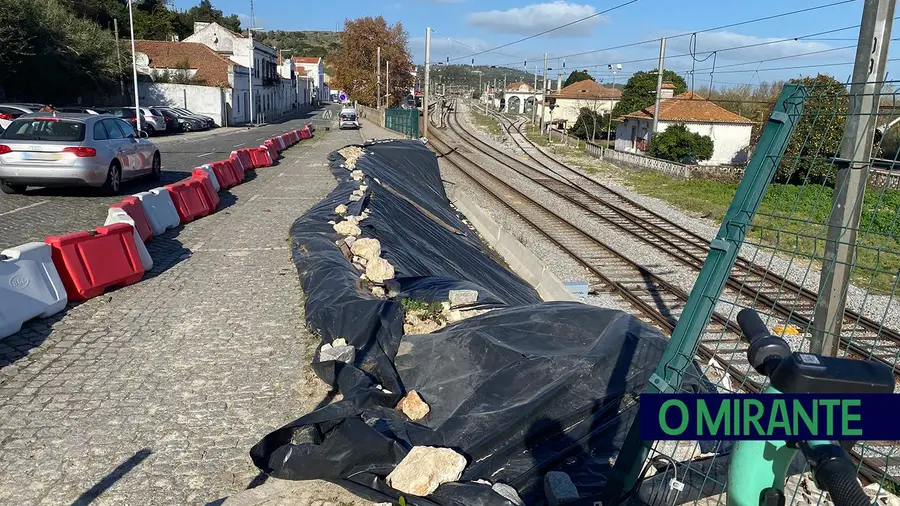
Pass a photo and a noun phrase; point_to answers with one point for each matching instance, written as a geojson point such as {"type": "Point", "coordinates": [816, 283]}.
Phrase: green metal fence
{"type": "Point", "coordinates": [405, 121]}
{"type": "Point", "coordinates": [770, 254]}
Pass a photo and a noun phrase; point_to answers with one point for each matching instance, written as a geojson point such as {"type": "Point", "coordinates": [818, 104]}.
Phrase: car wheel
{"type": "Point", "coordinates": [12, 189]}
{"type": "Point", "coordinates": [186, 127]}
{"type": "Point", "coordinates": [156, 168]}
{"type": "Point", "coordinates": [113, 179]}
{"type": "Point", "coordinates": [150, 130]}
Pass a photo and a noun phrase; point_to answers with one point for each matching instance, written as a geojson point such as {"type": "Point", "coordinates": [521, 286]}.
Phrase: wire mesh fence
{"type": "Point", "coordinates": [776, 243]}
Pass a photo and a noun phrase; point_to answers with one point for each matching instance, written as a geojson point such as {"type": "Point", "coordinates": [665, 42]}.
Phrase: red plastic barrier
{"type": "Point", "coordinates": [289, 138]}
{"type": "Point", "coordinates": [243, 155]}
{"type": "Point", "coordinates": [210, 195]}
{"type": "Point", "coordinates": [282, 142]}
{"type": "Point", "coordinates": [305, 133]}
{"type": "Point", "coordinates": [187, 195]}
{"type": "Point", "coordinates": [236, 169]}
{"type": "Point", "coordinates": [311, 127]}
{"type": "Point", "coordinates": [90, 262]}
{"type": "Point", "coordinates": [135, 209]}
{"type": "Point", "coordinates": [273, 150]}
{"type": "Point", "coordinates": [296, 135]}
{"type": "Point", "coordinates": [224, 174]}
{"type": "Point", "coordinates": [260, 157]}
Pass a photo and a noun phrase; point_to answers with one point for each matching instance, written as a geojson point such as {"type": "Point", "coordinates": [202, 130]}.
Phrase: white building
{"type": "Point", "coordinates": [314, 67]}
{"type": "Point", "coordinates": [262, 59]}
{"type": "Point", "coordinates": [211, 84]}
{"type": "Point", "coordinates": [587, 94]}
{"type": "Point", "coordinates": [519, 97]}
{"type": "Point", "coordinates": [730, 132]}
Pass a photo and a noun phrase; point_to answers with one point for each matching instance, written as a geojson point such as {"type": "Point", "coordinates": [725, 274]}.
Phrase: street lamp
{"type": "Point", "coordinates": [614, 70]}
{"type": "Point", "coordinates": [252, 57]}
{"type": "Point", "coordinates": [137, 109]}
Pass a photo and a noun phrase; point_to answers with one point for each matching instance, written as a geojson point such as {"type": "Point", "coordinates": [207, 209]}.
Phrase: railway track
{"type": "Point", "coordinates": [749, 284]}
{"type": "Point", "coordinates": [652, 298]}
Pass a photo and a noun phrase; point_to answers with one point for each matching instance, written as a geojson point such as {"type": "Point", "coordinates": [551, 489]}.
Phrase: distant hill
{"type": "Point", "coordinates": [465, 75]}
{"type": "Point", "coordinates": [309, 43]}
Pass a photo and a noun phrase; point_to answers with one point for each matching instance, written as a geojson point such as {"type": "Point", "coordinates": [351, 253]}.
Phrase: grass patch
{"type": "Point", "coordinates": [424, 310]}
{"type": "Point", "coordinates": [485, 122]}
{"type": "Point", "coordinates": [792, 220]}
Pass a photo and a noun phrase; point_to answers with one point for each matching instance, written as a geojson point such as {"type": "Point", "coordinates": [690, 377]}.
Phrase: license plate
{"type": "Point", "coordinates": [42, 156]}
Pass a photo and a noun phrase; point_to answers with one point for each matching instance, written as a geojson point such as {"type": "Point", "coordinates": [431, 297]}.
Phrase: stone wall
{"type": "Point", "coordinates": [724, 173]}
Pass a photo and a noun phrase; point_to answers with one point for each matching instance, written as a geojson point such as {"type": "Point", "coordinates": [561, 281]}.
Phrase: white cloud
{"type": "Point", "coordinates": [537, 18]}
{"type": "Point", "coordinates": [722, 40]}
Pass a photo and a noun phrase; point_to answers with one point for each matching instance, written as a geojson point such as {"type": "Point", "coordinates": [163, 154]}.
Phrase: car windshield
{"type": "Point", "coordinates": [123, 113]}
{"type": "Point", "coordinates": [44, 129]}
{"type": "Point", "coordinates": [348, 116]}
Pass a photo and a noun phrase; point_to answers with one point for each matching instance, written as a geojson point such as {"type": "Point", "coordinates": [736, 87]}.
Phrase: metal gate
{"type": "Point", "coordinates": [405, 121]}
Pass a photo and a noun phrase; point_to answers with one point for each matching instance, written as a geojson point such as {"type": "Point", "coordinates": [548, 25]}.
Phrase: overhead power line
{"type": "Point", "coordinates": [523, 39]}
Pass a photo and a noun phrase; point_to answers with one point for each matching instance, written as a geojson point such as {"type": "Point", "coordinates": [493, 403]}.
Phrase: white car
{"type": "Point", "coordinates": [349, 119]}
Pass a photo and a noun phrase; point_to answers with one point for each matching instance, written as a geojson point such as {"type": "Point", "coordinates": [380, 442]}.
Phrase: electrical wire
{"type": "Point", "coordinates": [619, 6]}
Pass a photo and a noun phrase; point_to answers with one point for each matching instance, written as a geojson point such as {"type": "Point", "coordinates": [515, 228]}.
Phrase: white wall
{"type": "Point", "coordinates": [728, 139]}
{"type": "Point", "coordinates": [568, 108]}
{"type": "Point", "coordinates": [205, 100]}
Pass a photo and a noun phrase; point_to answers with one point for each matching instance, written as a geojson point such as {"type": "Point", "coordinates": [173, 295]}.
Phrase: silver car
{"type": "Point", "coordinates": [44, 149]}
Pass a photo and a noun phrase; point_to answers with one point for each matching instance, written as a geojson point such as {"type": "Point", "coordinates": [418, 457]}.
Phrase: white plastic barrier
{"type": "Point", "coordinates": [235, 158]}
{"type": "Point", "coordinates": [116, 215]}
{"type": "Point", "coordinates": [280, 140]}
{"type": "Point", "coordinates": [29, 286]}
{"type": "Point", "coordinates": [212, 175]}
{"type": "Point", "coordinates": [159, 209]}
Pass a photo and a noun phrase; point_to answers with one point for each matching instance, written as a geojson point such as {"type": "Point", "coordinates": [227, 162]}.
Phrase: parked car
{"type": "Point", "coordinates": [349, 118]}
{"type": "Point", "coordinates": [98, 150]}
{"type": "Point", "coordinates": [82, 110]}
{"type": "Point", "coordinates": [156, 122]}
{"type": "Point", "coordinates": [188, 123]}
{"type": "Point", "coordinates": [208, 121]}
{"type": "Point", "coordinates": [172, 124]}
{"type": "Point", "coordinates": [9, 112]}
{"type": "Point", "coordinates": [127, 114]}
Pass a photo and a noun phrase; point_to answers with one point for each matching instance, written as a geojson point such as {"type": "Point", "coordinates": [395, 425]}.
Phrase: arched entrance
{"type": "Point", "coordinates": [529, 105]}
{"type": "Point", "coordinates": [514, 104]}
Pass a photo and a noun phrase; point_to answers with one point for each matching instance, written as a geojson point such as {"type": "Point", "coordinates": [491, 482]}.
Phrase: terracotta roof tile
{"type": "Point", "coordinates": [212, 68]}
{"type": "Point", "coordinates": [305, 59]}
{"type": "Point", "coordinates": [515, 86]}
{"type": "Point", "coordinates": [690, 107]}
{"type": "Point", "coordinates": [588, 89]}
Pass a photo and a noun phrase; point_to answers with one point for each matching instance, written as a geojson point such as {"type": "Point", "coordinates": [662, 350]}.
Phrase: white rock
{"type": "Point", "coordinates": [509, 493]}
{"type": "Point", "coordinates": [344, 354]}
{"type": "Point", "coordinates": [346, 228]}
{"type": "Point", "coordinates": [363, 187]}
{"type": "Point", "coordinates": [349, 241]}
{"type": "Point", "coordinates": [352, 219]}
{"type": "Point", "coordinates": [379, 269]}
{"type": "Point", "coordinates": [463, 297]}
{"type": "Point", "coordinates": [355, 198]}
{"type": "Point", "coordinates": [424, 469]}
{"type": "Point", "coordinates": [339, 342]}
{"type": "Point", "coordinates": [413, 406]}
{"type": "Point", "coordinates": [357, 175]}
{"type": "Point", "coordinates": [367, 248]}
{"type": "Point", "coordinates": [340, 210]}
{"type": "Point", "coordinates": [378, 291]}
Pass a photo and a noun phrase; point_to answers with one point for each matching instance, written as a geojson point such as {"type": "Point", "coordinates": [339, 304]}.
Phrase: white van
{"type": "Point", "coordinates": [349, 119]}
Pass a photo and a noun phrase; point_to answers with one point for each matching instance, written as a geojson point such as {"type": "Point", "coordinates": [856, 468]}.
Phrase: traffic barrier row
{"type": "Point", "coordinates": [39, 279]}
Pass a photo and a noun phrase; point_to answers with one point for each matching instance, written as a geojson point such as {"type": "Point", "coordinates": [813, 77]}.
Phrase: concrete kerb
{"type": "Point", "coordinates": [522, 261]}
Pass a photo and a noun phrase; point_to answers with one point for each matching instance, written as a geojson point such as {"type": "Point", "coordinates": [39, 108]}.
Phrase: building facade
{"type": "Point", "coordinates": [262, 60]}
{"type": "Point", "coordinates": [585, 94]}
{"type": "Point", "coordinates": [314, 68]}
{"type": "Point", "coordinates": [729, 132]}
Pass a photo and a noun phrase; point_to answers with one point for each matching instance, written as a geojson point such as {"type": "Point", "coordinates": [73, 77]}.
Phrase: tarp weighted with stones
{"type": "Point", "coordinates": [527, 388]}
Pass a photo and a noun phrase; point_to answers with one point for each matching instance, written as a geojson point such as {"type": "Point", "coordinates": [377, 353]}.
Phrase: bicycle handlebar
{"type": "Point", "coordinates": [838, 478]}
{"type": "Point", "coordinates": [751, 324]}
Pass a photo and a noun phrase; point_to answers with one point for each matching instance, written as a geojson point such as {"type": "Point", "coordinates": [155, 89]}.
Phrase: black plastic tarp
{"type": "Point", "coordinates": [526, 388]}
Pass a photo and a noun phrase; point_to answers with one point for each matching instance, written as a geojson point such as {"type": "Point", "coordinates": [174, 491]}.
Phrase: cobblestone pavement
{"type": "Point", "coordinates": [50, 211]}
{"type": "Point", "coordinates": [154, 393]}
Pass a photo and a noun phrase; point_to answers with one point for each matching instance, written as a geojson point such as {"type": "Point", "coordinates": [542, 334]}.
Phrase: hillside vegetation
{"type": "Point", "coordinates": [300, 43]}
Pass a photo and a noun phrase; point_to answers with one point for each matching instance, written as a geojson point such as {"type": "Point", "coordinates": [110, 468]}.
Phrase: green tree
{"type": "Point", "coordinates": [640, 91]}
{"type": "Point", "coordinates": [677, 143]}
{"type": "Point", "coordinates": [591, 124]}
{"type": "Point", "coordinates": [818, 133]}
{"type": "Point", "coordinates": [578, 75]}
{"type": "Point", "coordinates": [48, 53]}
{"type": "Point", "coordinates": [360, 41]}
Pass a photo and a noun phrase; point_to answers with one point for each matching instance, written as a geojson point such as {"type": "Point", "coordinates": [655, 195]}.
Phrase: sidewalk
{"type": "Point", "coordinates": [154, 393]}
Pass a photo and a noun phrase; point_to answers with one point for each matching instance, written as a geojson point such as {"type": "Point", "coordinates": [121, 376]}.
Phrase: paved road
{"type": "Point", "coordinates": [154, 393]}
{"type": "Point", "coordinates": [41, 212]}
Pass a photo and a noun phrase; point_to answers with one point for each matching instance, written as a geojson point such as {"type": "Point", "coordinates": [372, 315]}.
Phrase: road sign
{"type": "Point", "coordinates": [342, 96]}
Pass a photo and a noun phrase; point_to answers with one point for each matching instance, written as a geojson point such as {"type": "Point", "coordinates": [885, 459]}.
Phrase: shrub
{"type": "Point", "coordinates": [677, 143]}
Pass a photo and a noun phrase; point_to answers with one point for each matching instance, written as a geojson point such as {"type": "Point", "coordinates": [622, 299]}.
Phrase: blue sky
{"type": "Point", "coordinates": [461, 25]}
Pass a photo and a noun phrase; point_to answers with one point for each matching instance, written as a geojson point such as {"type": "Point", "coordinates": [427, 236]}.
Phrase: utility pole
{"type": "Point", "coordinates": [378, 78]}
{"type": "Point", "coordinates": [541, 124]}
{"type": "Point", "coordinates": [137, 108]}
{"type": "Point", "coordinates": [427, 74]}
{"type": "Point", "coordinates": [534, 102]}
{"type": "Point", "coordinates": [659, 82]}
{"type": "Point", "coordinates": [119, 57]}
{"type": "Point", "coordinates": [387, 84]}
{"type": "Point", "coordinates": [852, 173]}
{"type": "Point", "coordinates": [615, 69]}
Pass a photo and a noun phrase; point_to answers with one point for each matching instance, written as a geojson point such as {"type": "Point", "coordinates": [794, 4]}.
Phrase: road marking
{"type": "Point", "coordinates": [204, 154]}
{"type": "Point", "coordinates": [24, 207]}
{"type": "Point", "coordinates": [239, 145]}
{"type": "Point", "coordinates": [261, 138]}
